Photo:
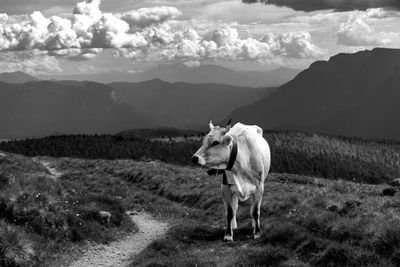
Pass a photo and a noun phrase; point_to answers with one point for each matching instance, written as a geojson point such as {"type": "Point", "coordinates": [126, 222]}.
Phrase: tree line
{"type": "Point", "coordinates": [354, 159]}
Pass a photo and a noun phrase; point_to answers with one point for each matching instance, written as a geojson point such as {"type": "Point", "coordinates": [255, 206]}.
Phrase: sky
{"type": "Point", "coordinates": [44, 37]}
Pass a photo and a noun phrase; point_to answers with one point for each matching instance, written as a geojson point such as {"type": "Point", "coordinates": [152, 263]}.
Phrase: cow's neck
{"type": "Point", "coordinates": [233, 155]}
{"type": "Point", "coordinates": [241, 163]}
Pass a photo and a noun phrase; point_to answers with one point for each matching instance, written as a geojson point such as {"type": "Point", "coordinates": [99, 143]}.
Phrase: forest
{"type": "Point", "coordinates": [334, 157]}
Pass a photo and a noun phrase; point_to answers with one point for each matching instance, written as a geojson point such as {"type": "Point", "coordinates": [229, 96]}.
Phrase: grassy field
{"type": "Point", "coordinates": [306, 220]}
{"type": "Point", "coordinates": [43, 220]}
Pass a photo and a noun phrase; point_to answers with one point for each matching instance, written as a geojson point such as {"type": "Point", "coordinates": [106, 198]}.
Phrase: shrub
{"type": "Point", "coordinates": [4, 180]}
{"type": "Point", "coordinates": [349, 229]}
{"type": "Point", "coordinates": [390, 191]}
{"type": "Point", "coordinates": [334, 255]}
{"type": "Point", "coordinates": [6, 209]}
{"type": "Point", "coordinates": [262, 256]}
{"type": "Point", "coordinates": [310, 247]}
{"type": "Point", "coordinates": [15, 247]}
{"type": "Point", "coordinates": [387, 240]}
{"type": "Point", "coordinates": [284, 234]}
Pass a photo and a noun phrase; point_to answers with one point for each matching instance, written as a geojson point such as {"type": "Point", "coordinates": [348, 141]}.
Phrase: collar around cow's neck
{"type": "Point", "coordinates": [233, 155]}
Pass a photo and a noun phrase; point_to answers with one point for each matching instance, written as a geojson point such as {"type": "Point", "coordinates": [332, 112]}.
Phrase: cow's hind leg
{"type": "Point", "coordinates": [231, 204]}
{"type": "Point", "coordinates": [255, 212]}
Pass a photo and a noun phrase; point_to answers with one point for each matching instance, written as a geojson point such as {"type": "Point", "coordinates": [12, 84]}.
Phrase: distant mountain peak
{"type": "Point", "coordinates": [16, 77]}
{"type": "Point", "coordinates": [349, 94]}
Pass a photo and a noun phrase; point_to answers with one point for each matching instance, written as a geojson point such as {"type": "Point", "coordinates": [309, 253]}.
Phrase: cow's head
{"type": "Point", "coordinates": [216, 148]}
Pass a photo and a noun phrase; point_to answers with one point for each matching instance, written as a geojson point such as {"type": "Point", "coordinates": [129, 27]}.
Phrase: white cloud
{"type": "Point", "coordinates": [144, 17]}
{"type": "Point", "coordinates": [294, 44]}
{"type": "Point", "coordinates": [152, 33]}
{"type": "Point", "coordinates": [357, 32]}
{"type": "Point", "coordinates": [89, 8]}
{"type": "Point", "coordinates": [225, 44]}
{"type": "Point", "coordinates": [3, 17]}
{"type": "Point", "coordinates": [87, 28]}
{"type": "Point", "coordinates": [381, 13]}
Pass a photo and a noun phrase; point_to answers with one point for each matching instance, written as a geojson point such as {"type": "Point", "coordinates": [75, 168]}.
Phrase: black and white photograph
{"type": "Point", "coordinates": [199, 133]}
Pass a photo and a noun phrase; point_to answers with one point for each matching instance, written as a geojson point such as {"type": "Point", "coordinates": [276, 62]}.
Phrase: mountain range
{"type": "Point", "coordinates": [43, 108]}
{"type": "Point", "coordinates": [39, 108]}
{"type": "Point", "coordinates": [183, 104]}
{"type": "Point", "coordinates": [197, 75]}
{"type": "Point", "coordinates": [350, 94]}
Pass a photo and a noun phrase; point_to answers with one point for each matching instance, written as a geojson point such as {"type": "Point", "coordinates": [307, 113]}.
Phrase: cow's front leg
{"type": "Point", "coordinates": [231, 206]}
{"type": "Point", "coordinates": [255, 212]}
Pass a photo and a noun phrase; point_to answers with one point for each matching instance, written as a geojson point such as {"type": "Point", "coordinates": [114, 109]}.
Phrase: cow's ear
{"type": "Point", "coordinates": [210, 124]}
{"type": "Point", "coordinates": [227, 129]}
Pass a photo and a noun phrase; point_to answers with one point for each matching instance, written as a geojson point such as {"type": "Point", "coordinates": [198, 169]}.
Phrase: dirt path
{"type": "Point", "coordinates": [53, 171]}
{"type": "Point", "coordinates": [119, 253]}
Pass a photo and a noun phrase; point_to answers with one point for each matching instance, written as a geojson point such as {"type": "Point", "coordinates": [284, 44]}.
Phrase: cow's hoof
{"type": "Point", "coordinates": [257, 236]}
{"type": "Point", "coordinates": [228, 238]}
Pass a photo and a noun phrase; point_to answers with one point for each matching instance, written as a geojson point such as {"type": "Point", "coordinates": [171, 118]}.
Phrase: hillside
{"type": "Point", "coordinates": [196, 74]}
{"type": "Point", "coordinates": [40, 108]}
{"type": "Point", "coordinates": [183, 104]}
{"type": "Point", "coordinates": [333, 157]}
{"type": "Point", "coordinates": [16, 77]}
{"type": "Point", "coordinates": [376, 116]}
{"type": "Point", "coordinates": [306, 220]}
{"type": "Point", "coordinates": [351, 94]}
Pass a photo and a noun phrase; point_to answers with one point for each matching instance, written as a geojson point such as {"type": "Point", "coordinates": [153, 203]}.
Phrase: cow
{"type": "Point", "coordinates": [243, 156]}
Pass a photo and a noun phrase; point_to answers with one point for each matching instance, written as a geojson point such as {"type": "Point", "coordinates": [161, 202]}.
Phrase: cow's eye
{"type": "Point", "coordinates": [215, 143]}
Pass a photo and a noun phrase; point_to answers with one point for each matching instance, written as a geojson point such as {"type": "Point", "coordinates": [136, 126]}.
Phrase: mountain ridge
{"type": "Point", "coordinates": [195, 75]}
{"type": "Point", "coordinates": [16, 77]}
{"type": "Point", "coordinates": [185, 105]}
{"type": "Point", "coordinates": [319, 97]}
{"type": "Point", "coordinates": [45, 107]}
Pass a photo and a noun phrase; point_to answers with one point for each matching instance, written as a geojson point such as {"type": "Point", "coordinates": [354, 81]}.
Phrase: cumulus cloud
{"type": "Point", "coordinates": [144, 17]}
{"type": "Point", "coordinates": [379, 13]}
{"type": "Point", "coordinates": [3, 17]}
{"type": "Point", "coordinates": [357, 32]}
{"type": "Point", "coordinates": [88, 27]}
{"type": "Point", "coordinates": [147, 34]}
{"type": "Point", "coordinates": [225, 43]}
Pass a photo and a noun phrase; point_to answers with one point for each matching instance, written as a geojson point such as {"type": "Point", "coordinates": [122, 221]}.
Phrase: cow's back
{"type": "Point", "coordinates": [257, 145]}
{"type": "Point", "coordinates": [240, 128]}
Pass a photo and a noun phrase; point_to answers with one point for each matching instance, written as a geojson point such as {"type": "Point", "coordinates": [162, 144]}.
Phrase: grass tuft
{"type": "Point", "coordinates": [16, 249]}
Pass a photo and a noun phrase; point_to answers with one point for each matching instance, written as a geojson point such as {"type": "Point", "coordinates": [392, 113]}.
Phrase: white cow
{"type": "Point", "coordinates": [244, 153]}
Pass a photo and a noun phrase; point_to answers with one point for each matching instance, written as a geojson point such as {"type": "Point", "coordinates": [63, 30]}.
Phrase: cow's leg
{"type": "Point", "coordinates": [228, 197]}
{"type": "Point", "coordinates": [235, 205]}
{"type": "Point", "coordinates": [255, 212]}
